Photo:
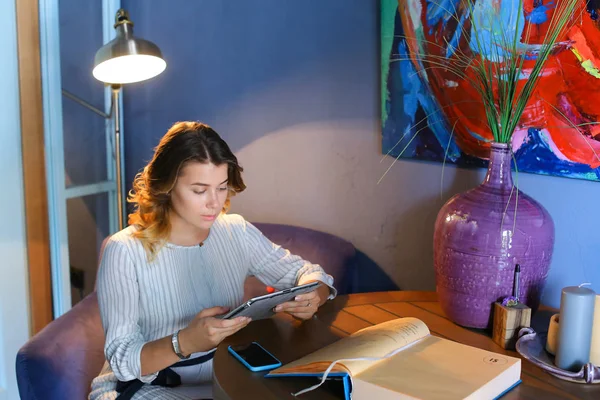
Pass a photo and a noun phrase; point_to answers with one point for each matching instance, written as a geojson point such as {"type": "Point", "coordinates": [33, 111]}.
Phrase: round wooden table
{"type": "Point", "coordinates": [289, 339]}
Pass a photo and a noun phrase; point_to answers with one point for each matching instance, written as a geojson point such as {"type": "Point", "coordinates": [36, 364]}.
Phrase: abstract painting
{"type": "Point", "coordinates": [429, 114]}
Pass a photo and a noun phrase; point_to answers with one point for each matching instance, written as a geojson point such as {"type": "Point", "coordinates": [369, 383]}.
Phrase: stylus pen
{"type": "Point", "coordinates": [516, 283]}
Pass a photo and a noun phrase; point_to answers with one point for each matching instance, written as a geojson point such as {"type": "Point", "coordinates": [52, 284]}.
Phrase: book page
{"type": "Point", "coordinates": [459, 372]}
{"type": "Point", "coordinates": [374, 341]}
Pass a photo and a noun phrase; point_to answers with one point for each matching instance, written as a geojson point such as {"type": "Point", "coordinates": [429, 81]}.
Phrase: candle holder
{"type": "Point", "coordinates": [531, 346]}
{"type": "Point", "coordinates": [509, 317]}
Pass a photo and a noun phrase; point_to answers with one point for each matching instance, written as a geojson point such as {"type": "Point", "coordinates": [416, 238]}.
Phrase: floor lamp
{"type": "Point", "coordinates": [125, 59]}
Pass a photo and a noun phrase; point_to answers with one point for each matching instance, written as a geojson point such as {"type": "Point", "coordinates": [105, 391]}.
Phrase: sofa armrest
{"type": "Point", "coordinates": [62, 359]}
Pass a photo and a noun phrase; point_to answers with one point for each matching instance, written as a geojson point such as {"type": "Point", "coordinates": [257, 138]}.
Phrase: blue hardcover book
{"type": "Point", "coordinates": [418, 365]}
{"type": "Point", "coordinates": [343, 377]}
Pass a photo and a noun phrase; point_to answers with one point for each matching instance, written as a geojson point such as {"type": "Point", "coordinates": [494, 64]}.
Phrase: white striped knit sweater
{"type": "Point", "coordinates": [141, 301]}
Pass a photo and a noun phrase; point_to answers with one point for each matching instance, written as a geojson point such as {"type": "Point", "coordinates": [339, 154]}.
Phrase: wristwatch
{"type": "Point", "coordinates": [176, 348]}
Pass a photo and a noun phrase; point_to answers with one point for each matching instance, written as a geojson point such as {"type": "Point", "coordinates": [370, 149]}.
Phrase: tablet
{"type": "Point", "coordinates": [261, 307]}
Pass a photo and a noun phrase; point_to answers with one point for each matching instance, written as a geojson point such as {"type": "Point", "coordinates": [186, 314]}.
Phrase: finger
{"type": "Point", "coordinates": [224, 332]}
{"type": "Point", "coordinates": [303, 315]}
{"type": "Point", "coordinates": [236, 328]}
{"type": "Point", "coordinates": [307, 296]}
{"type": "Point", "coordinates": [228, 323]}
{"type": "Point", "coordinates": [213, 311]}
{"type": "Point", "coordinates": [298, 306]}
{"type": "Point", "coordinates": [290, 305]}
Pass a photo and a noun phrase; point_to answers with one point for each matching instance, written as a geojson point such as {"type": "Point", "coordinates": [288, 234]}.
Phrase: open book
{"type": "Point", "coordinates": [424, 366]}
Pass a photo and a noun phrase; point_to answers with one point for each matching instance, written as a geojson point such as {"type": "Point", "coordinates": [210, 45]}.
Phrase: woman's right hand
{"type": "Point", "coordinates": [205, 331]}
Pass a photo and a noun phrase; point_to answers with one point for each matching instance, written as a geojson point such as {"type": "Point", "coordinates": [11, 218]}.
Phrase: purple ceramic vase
{"type": "Point", "coordinates": [480, 236]}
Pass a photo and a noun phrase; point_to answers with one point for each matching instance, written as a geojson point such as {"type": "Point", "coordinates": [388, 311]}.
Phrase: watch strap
{"type": "Point", "coordinates": [176, 347]}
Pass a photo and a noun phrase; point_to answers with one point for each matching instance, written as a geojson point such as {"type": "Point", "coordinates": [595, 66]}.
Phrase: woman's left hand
{"type": "Point", "coordinates": [305, 305]}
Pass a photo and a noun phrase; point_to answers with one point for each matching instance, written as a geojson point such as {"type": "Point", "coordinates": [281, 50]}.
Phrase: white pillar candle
{"type": "Point", "coordinates": [595, 346]}
{"type": "Point", "coordinates": [575, 328]}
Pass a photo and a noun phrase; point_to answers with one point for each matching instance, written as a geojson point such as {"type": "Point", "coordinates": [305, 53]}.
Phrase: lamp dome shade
{"type": "Point", "coordinates": [127, 59]}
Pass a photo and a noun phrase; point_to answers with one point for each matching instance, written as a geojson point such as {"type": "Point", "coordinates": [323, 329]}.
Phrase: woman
{"type": "Point", "coordinates": [182, 262]}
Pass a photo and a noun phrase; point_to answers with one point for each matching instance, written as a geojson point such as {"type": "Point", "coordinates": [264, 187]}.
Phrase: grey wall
{"type": "Point", "coordinates": [294, 88]}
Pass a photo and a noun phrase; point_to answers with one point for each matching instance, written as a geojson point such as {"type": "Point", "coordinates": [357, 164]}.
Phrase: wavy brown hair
{"type": "Point", "coordinates": [184, 142]}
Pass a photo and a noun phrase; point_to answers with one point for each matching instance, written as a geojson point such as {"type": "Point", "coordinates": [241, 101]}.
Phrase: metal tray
{"type": "Point", "coordinates": [531, 346]}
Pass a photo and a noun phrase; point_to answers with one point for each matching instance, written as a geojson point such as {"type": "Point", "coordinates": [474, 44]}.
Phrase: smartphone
{"type": "Point", "coordinates": [254, 357]}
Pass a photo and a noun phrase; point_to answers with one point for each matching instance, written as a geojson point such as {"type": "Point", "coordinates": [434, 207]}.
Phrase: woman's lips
{"type": "Point", "coordinates": [209, 217]}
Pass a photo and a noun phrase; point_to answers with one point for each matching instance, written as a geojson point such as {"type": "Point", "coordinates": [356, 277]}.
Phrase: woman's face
{"type": "Point", "coordinates": [199, 194]}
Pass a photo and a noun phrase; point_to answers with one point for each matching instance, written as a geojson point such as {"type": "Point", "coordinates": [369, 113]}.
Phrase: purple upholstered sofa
{"type": "Point", "coordinates": [61, 360]}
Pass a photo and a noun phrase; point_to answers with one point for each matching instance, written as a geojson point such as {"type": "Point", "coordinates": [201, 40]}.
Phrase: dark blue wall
{"type": "Point", "coordinates": [220, 53]}
{"type": "Point", "coordinates": [264, 72]}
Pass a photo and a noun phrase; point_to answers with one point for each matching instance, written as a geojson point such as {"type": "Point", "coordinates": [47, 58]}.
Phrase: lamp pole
{"type": "Point", "coordinates": [121, 201]}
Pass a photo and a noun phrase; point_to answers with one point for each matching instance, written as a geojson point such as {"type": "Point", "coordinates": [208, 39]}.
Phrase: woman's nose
{"type": "Point", "coordinates": [212, 201]}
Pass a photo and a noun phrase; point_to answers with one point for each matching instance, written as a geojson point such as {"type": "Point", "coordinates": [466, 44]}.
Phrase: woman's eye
{"type": "Point", "coordinates": [223, 188]}
{"type": "Point", "coordinates": [199, 192]}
